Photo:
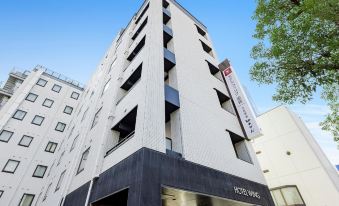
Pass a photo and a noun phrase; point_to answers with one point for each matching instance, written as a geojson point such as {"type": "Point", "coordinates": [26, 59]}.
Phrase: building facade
{"type": "Point", "coordinates": [38, 109]}
{"type": "Point", "coordinates": [155, 125]}
{"type": "Point", "coordinates": [296, 169]}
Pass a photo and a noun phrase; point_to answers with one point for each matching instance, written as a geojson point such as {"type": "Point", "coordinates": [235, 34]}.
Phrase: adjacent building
{"type": "Point", "coordinates": [154, 126]}
{"type": "Point", "coordinates": [296, 169]}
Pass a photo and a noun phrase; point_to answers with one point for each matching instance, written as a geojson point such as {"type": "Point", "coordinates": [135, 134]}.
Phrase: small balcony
{"type": "Point", "coordinates": [170, 61]}
{"type": "Point", "coordinates": [172, 102]}
{"type": "Point", "coordinates": [168, 35]}
{"type": "Point", "coordinates": [166, 15]}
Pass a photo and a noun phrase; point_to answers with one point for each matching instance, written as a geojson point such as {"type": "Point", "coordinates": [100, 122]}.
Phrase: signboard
{"type": "Point", "coordinates": [240, 100]}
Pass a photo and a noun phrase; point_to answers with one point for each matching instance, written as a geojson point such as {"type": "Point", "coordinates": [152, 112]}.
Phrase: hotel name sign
{"type": "Point", "coordinates": [246, 192]}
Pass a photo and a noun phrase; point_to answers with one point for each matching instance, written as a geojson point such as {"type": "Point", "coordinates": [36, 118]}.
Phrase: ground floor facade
{"type": "Point", "coordinates": [151, 178]}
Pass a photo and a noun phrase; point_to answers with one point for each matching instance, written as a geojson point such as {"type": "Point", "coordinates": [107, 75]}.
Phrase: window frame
{"type": "Point", "coordinates": [53, 143]}
{"type": "Point", "coordinates": [34, 95]}
{"type": "Point", "coordinates": [60, 123]}
{"type": "Point", "coordinates": [20, 144]}
{"type": "Point", "coordinates": [34, 175]}
{"type": "Point", "coordinates": [16, 167]}
{"type": "Point", "coordinates": [69, 113]}
{"type": "Point", "coordinates": [76, 94]}
{"type": "Point", "coordinates": [79, 170]}
{"type": "Point", "coordinates": [19, 110]}
{"type": "Point", "coordinates": [57, 86]}
{"type": "Point", "coordinates": [9, 137]}
{"type": "Point", "coordinates": [43, 119]}
{"type": "Point", "coordinates": [48, 106]}
{"type": "Point", "coordinates": [27, 194]}
{"type": "Point", "coordinates": [43, 80]}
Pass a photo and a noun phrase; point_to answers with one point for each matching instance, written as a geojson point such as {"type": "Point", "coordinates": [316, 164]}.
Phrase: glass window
{"type": "Point", "coordinates": [56, 88]}
{"type": "Point", "coordinates": [287, 196]}
{"type": "Point", "coordinates": [75, 95]}
{"type": "Point", "coordinates": [11, 166]}
{"type": "Point", "coordinates": [41, 82]}
{"type": "Point", "coordinates": [74, 143]}
{"type": "Point", "coordinates": [19, 115]}
{"type": "Point", "coordinates": [96, 118]}
{"type": "Point", "coordinates": [83, 161]}
{"type": "Point", "coordinates": [25, 141]}
{"type": "Point", "coordinates": [60, 127]}
{"type": "Point", "coordinates": [48, 103]}
{"type": "Point", "coordinates": [68, 110]}
{"type": "Point", "coordinates": [37, 120]}
{"type": "Point", "coordinates": [61, 178]}
{"type": "Point", "coordinates": [51, 146]}
{"type": "Point", "coordinates": [40, 171]}
{"type": "Point", "coordinates": [5, 135]}
{"type": "Point", "coordinates": [31, 97]}
{"type": "Point", "coordinates": [26, 200]}
{"type": "Point", "coordinates": [168, 143]}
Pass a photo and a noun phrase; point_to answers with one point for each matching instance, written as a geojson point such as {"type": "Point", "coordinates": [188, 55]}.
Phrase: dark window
{"type": "Point", "coordinates": [60, 127]}
{"type": "Point", "coordinates": [31, 97]}
{"type": "Point", "coordinates": [83, 161]}
{"type": "Point", "coordinates": [51, 146]}
{"type": "Point", "coordinates": [41, 82]}
{"type": "Point", "coordinates": [137, 49]}
{"type": "Point", "coordinates": [240, 148]}
{"type": "Point", "coordinates": [61, 178]}
{"type": "Point", "coordinates": [5, 135]}
{"type": "Point", "coordinates": [206, 48]}
{"type": "Point", "coordinates": [75, 95]}
{"type": "Point", "coordinates": [201, 31]}
{"type": "Point", "coordinates": [1, 193]}
{"type": "Point", "coordinates": [56, 88]}
{"type": "Point", "coordinates": [48, 103]}
{"type": "Point", "coordinates": [19, 115]}
{"type": "Point", "coordinates": [26, 200]}
{"type": "Point", "coordinates": [142, 14]}
{"type": "Point", "coordinates": [168, 143]}
{"type": "Point", "coordinates": [213, 69]}
{"type": "Point", "coordinates": [37, 120]}
{"type": "Point", "coordinates": [40, 171]}
{"type": "Point", "coordinates": [225, 102]}
{"type": "Point", "coordinates": [68, 110]}
{"type": "Point", "coordinates": [11, 166]}
{"type": "Point", "coordinates": [165, 4]}
{"type": "Point", "coordinates": [139, 30]}
{"type": "Point", "coordinates": [25, 141]}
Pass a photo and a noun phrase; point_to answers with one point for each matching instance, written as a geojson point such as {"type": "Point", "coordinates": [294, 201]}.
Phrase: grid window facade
{"type": "Point", "coordinates": [41, 82]}
{"type": "Point", "coordinates": [51, 147]}
{"type": "Point", "coordinates": [37, 120]}
{"type": "Point", "coordinates": [68, 110]}
{"type": "Point", "coordinates": [5, 135]}
{"type": "Point", "coordinates": [19, 114]}
{"type": "Point", "coordinates": [31, 97]}
{"type": "Point", "coordinates": [26, 200]}
{"type": "Point", "coordinates": [26, 141]}
{"type": "Point", "coordinates": [56, 88]}
{"type": "Point", "coordinates": [11, 166]}
{"type": "Point", "coordinates": [48, 103]}
{"type": "Point", "coordinates": [60, 127]}
{"type": "Point", "coordinates": [40, 171]}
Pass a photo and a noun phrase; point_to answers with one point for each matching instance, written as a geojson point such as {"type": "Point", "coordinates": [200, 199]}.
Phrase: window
{"type": "Point", "coordinates": [142, 14]}
{"type": "Point", "coordinates": [41, 82]}
{"type": "Point", "coordinates": [60, 127]}
{"type": "Point", "coordinates": [1, 193]}
{"type": "Point", "coordinates": [141, 27]}
{"type": "Point", "coordinates": [51, 146]}
{"type": "Point", "coordinates": [61, 178]}
{"type": "Point", "coordinates": [48, 103]}
{"type": "Point", "coordinates": [11, 166]}
{"type": "Point", "coordinates": [240, 148]}
{"type": "Point", "coordinates": [68, 110]}
{"type": "Point", "coordinates": [75, 95]}
{"type": "Point", "coordinates": [225, 102]}
{"type": "Point", "coordinates": [5, 135]}
{"type": "Point", "coordinates": [40, 171]}
{"type": "Point", "coordinates": [60, 158]}
{"type": "Point", "coordinates": [83, 160]}
{"type": "Point", "coordinates": [19, 115]}
{"type": "Point", "coordinates": [168, 143]}
{"type": "Point", "coordinates": [25, 141]}
{"type": "Point", "coordinates": [206, 48]}
{"type": "Point", "coordinates": [287, 196]}
{"type": "Point", "coordinates": [137, 49]}
{"type": "Point", "coordinates": [84, 115]}
{"type": "Point", "coordinates": [56, 88]}
{"type": "Point", "coordinates": [31, 97]}
{"type": "Point", "coordinates": [96, 118]}
{"type": "Point", "coordinates": [26, 200]}
{"type": "Point", "coordinates": [37, 120]}
{"type": "Point", "coordinates": [47, 191]}
{"type": "Point", "coordinates": [201, 31]}
{"type": "Point", "coordinates": [74, 143]}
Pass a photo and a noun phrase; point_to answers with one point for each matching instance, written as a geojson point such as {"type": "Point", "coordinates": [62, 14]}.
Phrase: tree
{"type": "Point", "coordinates": [298, 51]}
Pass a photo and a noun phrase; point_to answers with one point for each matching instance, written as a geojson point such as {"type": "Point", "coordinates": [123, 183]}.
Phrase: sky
{"type": "Point", "coordinates": [71, 36]}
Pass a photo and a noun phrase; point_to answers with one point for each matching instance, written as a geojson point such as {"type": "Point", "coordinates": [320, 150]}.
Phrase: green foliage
{"type": "Point", "coordinates": [298, 50]}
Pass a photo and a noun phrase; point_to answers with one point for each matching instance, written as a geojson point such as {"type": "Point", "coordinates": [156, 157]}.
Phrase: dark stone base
{"type": "Point", "coordinates": [146, 171]}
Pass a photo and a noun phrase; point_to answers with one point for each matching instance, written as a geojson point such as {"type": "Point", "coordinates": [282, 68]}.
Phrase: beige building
{"type": "Point", "coordinates": [296, 169]}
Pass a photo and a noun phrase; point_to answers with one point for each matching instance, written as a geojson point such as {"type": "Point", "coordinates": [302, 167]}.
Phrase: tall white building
{"type": "Point", "coordinates": [32, 126]}
{"type": "Point", "coordinates": [296, 169]}
{"type": "Point", "coordinates": [155, 125]}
